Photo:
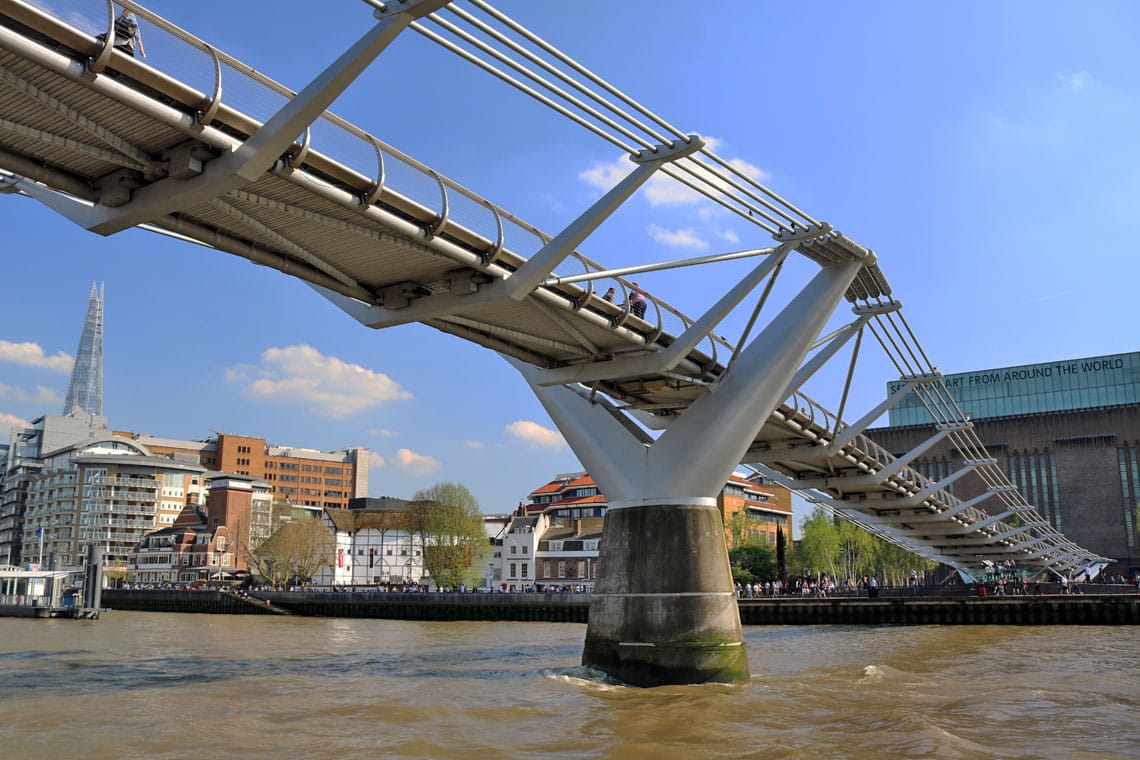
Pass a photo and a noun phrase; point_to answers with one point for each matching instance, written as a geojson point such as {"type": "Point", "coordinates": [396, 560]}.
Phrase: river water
{"type": "Point", "coordinates": [153, 685]}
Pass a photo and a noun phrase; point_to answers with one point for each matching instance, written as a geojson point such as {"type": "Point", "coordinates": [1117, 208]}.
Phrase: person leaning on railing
{"type": "Point", "coordinates": [127, 34]}
{"type": "Point", "coordinates": [636, 302]}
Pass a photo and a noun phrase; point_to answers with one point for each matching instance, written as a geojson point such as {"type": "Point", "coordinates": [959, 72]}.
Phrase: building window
{"type": "Point", "coordinates": [561, 568]}
{"type": "Point", "coordinates": [512, 569]}
{"type": "Point", "coordinates": [525, 549]}
{"type": "Point", "coordinates": [525, 570]}
{"type": "Point", "coordinates": [514, 549]}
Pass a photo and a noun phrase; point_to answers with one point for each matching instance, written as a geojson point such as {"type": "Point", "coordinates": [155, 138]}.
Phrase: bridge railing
{"type": "Point", "coordinates": [230, 90]}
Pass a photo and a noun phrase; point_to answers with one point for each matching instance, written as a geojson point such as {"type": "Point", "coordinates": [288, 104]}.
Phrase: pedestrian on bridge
{"type": "Point", "coordinates": [127, 34]}
{"type": "Point", "coordinates": [636, 302]}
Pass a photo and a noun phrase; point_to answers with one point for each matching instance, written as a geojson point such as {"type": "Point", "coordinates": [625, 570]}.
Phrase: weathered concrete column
{"type": "Point", "coordinates": [663, 609]}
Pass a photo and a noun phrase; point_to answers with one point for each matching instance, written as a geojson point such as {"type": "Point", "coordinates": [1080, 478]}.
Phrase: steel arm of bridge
{"type": "Point", "coordinates": [184, 229]}
{"type": "Point", "coordinates": [867, 522]}
{"type": "Point", "coordinates": [889, 471]}
{"type": "Point", "coordinates": [690, 461]}
{"type": "Point", "coordinates": [977, 526]}
{"type": "Point", "coordinates": [838, 339]}
{"type": "Point", "coordinates": [248, 161]}
{"type": "Point", "coordinates": [667, 360]}
{"type": "Point", "coordinates": [531, 274]}
{"type": "Point", "coordinates": [866, 420]}
{"type": "Point", "coordinates": [933, 488]}
{"type": "Point", "coordinates": [961, 506]}
{"type": "Point", "coordinates": [539, 266]}
{"type": "Point", "coordinates": [848, 433]}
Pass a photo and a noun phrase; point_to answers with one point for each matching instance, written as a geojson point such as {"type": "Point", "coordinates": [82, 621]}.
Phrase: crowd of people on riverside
{"type": "Point", "coordinates": [823, 586]}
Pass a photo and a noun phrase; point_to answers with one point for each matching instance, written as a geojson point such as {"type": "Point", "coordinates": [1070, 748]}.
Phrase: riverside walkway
{"type": "Point", "coordinates": [1107, 605]}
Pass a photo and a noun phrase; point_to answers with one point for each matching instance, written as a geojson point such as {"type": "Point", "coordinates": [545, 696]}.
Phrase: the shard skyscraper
{"type": "Point", "coordinates": [85, 388]}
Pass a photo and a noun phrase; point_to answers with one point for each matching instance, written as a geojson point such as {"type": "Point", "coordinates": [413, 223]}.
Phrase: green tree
{"type": "Point", "coordinates": [752, 561]}
{"type": "Point", "coordinates": [818, 550]}
{"type": "Point", "coordinates": [842, 549]}
{"type": "Point", "coordinates": [295, 550]}
{"type": "Point", "coordinates": [450, 525]}
{"type": "Point", "coordinates": [737, 529]}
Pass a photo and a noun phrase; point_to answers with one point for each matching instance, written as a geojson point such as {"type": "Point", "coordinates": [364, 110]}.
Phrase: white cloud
{"type": "Point", "coordinates": [686, 238]}
{"type": "Point", "coordinates": [1076, 82]}
{"type": "Point", "coordinates": [536, 435]}
{"type": "Point", "coordinates": [419, 464]}
{"type": "Point", "coordinates": [303, 376]}
{"type": "Point", "coordinates": [8, 421]}
{"type": "Point", "coordinates": [384, 432]}
{"type": "Point", "coordinates": [663, 190]}
{"type": "Point", "coordinates": [32, 355]}
{"type": "Point", "coordinates": [476, 445]}
{"type": "Point", "coordinates": [605, 176]}
{"type": "Point", "coordinates": [375, 461]}
{"type": "Point", "coordinates": [42, 394]}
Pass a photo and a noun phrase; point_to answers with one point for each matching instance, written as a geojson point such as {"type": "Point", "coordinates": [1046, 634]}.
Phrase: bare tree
{"type": "Point", "coordinates": [296, 550]}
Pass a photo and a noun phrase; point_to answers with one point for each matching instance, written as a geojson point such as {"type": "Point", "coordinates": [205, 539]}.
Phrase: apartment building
{"type": "Point", "coordinates": [305, 477]}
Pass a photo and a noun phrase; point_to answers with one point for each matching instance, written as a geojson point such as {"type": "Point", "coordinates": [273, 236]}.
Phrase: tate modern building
{"type": "Point", "coordinates": [1067, 433]}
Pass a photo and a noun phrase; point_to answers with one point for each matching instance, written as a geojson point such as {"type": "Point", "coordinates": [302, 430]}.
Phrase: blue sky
{"type": "Point", "coordinates": [987, 152]}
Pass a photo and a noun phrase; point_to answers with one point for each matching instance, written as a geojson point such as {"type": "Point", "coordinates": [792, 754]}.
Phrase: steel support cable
{"type": "Point", "coordinates": [649, 130]}
{"type": "Point", "coordinates": [530, 56]}
{"type": "Point", "coordinates": [523, 87]}
{"type": "Point", "coordinates": [545, 46]}
{"type": "Point", "coordinates": [752, 181]}
{"type": "Point", "coordinates": [709, 182]}
{"type": "Point", "coordinates": [755, 314]}
{"type": "Point", "coordinates": [541, 43]}
{"type": "Point", "coordinates": [686, 164]}
{"type": "Point", "coordinates": [973, 446]}
{"type": "Point", "coordinates": [886, 349]}
{"type": "Point", "coordinates": [884, 325]}
{"type": "Point", "coordinates": [672, 171]}
{"type": "Point", "coordinates": [891, 350]}
{"type": "Point", "coordinates": [533, 76]}
{"type": "Point", "coordinates": [902, 318]}
{"type": "Point", "coordinates": [847, 383]}
{"type": "Point", "coordinates": [924, 366]}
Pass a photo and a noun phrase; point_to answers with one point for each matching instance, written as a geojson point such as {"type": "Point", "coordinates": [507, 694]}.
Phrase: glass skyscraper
{"type": "Point", "coordinates": [85, 388]}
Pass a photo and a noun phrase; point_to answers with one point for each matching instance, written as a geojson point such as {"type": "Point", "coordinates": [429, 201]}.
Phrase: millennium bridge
{"type": "Point", "coordinates": [657, 404]}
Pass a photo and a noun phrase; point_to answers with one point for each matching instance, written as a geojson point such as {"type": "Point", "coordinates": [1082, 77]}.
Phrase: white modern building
{"type": "Point", "coordinates": [109, 492]}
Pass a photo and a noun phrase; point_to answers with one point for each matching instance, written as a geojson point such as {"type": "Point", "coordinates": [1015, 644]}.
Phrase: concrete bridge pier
{"type": "Point", "coordinates": [666, 615]}
{"type": "Point", "coordinates": [663, 609]}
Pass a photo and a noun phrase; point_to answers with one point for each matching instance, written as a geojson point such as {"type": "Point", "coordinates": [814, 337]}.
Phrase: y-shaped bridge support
{"type": "Point", "coordinates": [664, 608]}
